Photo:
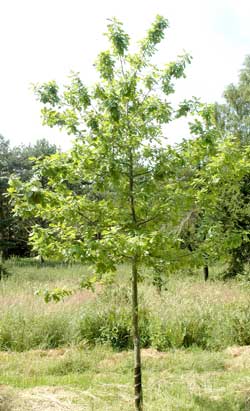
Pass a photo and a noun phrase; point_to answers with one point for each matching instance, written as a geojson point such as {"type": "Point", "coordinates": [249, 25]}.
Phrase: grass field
{"type": "Point", "coordinates": [75, 355]}
{"type": "Point", "coordinates": [99, 379]}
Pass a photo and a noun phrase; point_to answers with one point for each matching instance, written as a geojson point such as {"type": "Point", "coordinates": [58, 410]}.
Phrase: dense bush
{"type": "Point", "coordinates": [113, 326]}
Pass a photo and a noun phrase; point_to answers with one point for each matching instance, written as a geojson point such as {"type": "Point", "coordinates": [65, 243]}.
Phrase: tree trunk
{"type": "Point", "coordinates": [136, 339]}
{"type": "Point", "coordinates": [135, 316]}
{"type": "Point", "coordinates": [206, 272]}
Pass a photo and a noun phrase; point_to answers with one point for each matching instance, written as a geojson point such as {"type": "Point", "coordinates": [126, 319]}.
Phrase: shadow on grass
{"type": "Point", "coordinates": [209, 404]}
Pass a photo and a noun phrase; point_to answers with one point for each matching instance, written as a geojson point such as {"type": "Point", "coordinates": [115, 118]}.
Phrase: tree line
{"type": "Point", "coordinates": [18, 161]}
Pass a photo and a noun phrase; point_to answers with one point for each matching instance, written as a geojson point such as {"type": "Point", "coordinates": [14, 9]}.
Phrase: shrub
{"type": "Point", "coordinates": [112, 326]}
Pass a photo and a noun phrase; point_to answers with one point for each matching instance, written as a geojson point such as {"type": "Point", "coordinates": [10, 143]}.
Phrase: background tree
{"type": "Point", "coordinates": [121, 155]}
{"type": "Point", "coordinates": [14, 232]}
{"type": "Point", "coordinates": [233, 117]}
{"type": "Point", "coordinates": [212, 177]}
{"type": "Point", "coordinates": [196, 154]}
{"type": "Point", "coordinates": [220, 195]}
{"type": "Point", "coordinates": [4, 207]}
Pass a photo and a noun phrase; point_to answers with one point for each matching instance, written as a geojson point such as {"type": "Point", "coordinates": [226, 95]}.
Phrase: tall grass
{"type": "Point", "coordinates": [187, 313]}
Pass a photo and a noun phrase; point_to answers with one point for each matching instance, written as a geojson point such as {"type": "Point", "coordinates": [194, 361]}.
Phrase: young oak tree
{"type": "Point", "coordinates": [126, 207]}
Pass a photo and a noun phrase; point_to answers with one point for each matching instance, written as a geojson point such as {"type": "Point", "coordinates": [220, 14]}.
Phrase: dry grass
{"type": "Point", "coordinates": [239, 358]}
{"type": "Point", "coordinates": [173, 381]}
{"type": "Point", "coordinates": [40, 399]}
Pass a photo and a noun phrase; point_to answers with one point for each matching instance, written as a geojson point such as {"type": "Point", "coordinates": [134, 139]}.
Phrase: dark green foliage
{"type": "Point", "coordinates": [4, 272]}
{"type": "Point", "coordinates": [14, 231]}
{"type": "Point", "coordinates": [240, 256]}
{"type": "Point", "coordinates": [113, 327]}
{"type": "Point", "coordinates": [234, 117]}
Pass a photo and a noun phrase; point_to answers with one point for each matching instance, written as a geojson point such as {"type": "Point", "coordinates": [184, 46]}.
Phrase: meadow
{"type": "Point", "coordinates": [76, 354]}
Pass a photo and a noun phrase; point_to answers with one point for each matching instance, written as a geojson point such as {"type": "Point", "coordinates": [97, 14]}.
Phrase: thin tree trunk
{"type": "Point", "coordinates": [135, 322]}
{"type": "Point", "coordinates": [206, 272]}
{"type": "Point", "coordinates": [136, 339]}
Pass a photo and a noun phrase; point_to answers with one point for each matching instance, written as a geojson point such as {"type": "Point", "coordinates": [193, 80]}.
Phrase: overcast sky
{"type": "Point", "coordinates": [45, 39]}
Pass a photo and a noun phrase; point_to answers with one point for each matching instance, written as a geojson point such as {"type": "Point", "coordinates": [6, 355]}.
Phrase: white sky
{"type": "Point", "coordinates": [41, 40]}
